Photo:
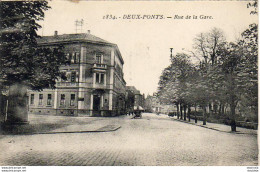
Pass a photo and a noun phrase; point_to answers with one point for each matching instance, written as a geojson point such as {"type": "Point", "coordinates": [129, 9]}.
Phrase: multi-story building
{"type": "Point", "coordinates": [130, 100]}
{"type": "Point", "coordinates": [138, 97]}
{"type": "Point", "coordinates": [95, 84]}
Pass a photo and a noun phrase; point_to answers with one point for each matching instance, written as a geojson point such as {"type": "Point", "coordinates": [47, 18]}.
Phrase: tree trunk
{"type": "Point", "coordinates": [232, 103]}
{"type": "Point", "coordinates": [223, 109]}
{"type": "Point", "coordinates": [204, 115]}
{"type": "Point", "coordinates": [17, 112]}
{"type": "Point", "coordinates": [184, 109]}
{"type": "Point", "coordinates": [196, 114]}
{"type": "Point", "coordinates": [210, 109]}
{"type": "Point", "coordinates": [178, 111]}
{"type": "Point", "coordinates": [233, 114]}
{"type": "Point", "coordinates": [189, 111]}
{"type": "Point", "coordinates": [219, 109]}
{"type": "Point", "coordinates": [3, 107]}
{"type": "Point", "coordinates": [215, 108]}
{"type": "Point", "coordinates": [181, 110]}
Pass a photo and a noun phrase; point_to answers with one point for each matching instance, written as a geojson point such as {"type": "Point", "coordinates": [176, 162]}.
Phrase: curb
{"type": "Point", "coordinates": [200, 125]}
{"type": "Point", "coordinates": [107, 128]}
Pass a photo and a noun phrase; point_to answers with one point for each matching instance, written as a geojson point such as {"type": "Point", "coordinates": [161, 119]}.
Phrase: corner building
{"type": "Point", "coordinates": [95, 84]}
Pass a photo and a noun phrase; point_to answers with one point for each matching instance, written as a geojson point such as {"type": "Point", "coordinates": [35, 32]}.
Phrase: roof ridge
{"type": "Point", "coordinates": [72, 36]}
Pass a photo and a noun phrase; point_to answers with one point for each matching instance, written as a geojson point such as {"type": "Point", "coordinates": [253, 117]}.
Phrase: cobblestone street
{"type": "Point", "coordinates": [152, 140]}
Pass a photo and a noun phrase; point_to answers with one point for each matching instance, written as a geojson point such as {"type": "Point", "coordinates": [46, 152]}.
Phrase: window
{"type": "Point", "coordinates": [72, 59]}
{"type": "Point", "coordinates": [63, 75]}
{"type": "Point", "coordinates": [72, 100]}
{"type": "Point", "coordinates": [68, 57]}
{"type": "Point", "coordinates": [40, 99]}
{"type": "Point", "coordinates": [62, 99]}
{"type": "Point", "coordinates": [32, 99]}
{"type": "Point", "coordinates": [100, 78]}
{"type": "Point", "coordinates": [68, 75]}
{"type": "Point", "coordinates": [97, 77]}
{"type": "Point", "coordinates": [73, 76]}
{"type": "Point", "coordinates": [49, 99]}
{"type": "Point", "coordinates": [75, 57]}
{"type": "Point", "coordinates": [99, 58]}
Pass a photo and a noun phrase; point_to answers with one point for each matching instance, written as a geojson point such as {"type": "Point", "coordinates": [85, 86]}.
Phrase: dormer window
{"type": "Point", "coordinates": [99, 58]}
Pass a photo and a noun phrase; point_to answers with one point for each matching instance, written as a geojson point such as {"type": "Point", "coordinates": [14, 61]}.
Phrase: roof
{"type": "Point", "coordinates": [83, 37]}
{"type": "Point", "coordinates": [72, 37]}
{"type": "Point", "coordinates": [132, 88]}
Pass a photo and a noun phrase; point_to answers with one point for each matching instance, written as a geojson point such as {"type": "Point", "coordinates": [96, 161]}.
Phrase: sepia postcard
{"type": "Point", "coordinates": [129, 83]}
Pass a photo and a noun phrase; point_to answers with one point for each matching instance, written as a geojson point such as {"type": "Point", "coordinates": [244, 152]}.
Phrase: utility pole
{"type": "Point", "coordinates": [171, 51]}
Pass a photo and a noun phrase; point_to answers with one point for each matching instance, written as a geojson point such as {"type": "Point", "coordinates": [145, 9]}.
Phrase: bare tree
{"type": "Point", "coordinates": [207, 45]}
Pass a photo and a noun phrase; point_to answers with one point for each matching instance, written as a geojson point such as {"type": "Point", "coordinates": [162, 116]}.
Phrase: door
{"type": "Point", "coordinates": [96, 105]}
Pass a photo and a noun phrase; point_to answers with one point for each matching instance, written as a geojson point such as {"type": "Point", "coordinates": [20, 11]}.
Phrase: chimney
{"type": "Point", "coordinates": [88, 31]}
{"type": "Point", "coordinates": [55, 33]}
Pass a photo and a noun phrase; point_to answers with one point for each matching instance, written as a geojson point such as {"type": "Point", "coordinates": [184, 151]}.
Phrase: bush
{"type": "Point", "coordinates": [172, 114]}
{"type": "Point", "coordinates": [198, 113]}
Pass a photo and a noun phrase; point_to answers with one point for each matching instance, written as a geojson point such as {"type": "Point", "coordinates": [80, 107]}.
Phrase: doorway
{"type": "Point", "coordinates": [96, 105]}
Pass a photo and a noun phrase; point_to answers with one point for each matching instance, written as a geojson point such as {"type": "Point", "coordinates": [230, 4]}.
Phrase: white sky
{"type": "Point", "coordinates": [145, 44]}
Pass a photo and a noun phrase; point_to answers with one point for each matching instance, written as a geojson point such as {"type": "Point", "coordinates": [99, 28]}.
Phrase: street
{"type": "Point", "coordinates": [150, 141]}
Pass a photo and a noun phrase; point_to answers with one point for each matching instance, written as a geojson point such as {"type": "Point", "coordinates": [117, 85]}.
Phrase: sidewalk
{"type": "Point", "coordinates": [43, 124]}
{"type": "Point", "coordinates": [218, 127]}
{"type": "Point", "coordinates": [83, 129]}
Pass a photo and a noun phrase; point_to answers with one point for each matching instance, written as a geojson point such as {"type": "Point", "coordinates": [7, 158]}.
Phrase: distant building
{"type": "Point", "coordinates": [152, 104]}
{"type": "Point", "coordinates": [95, 85]}
{"type": "Point", "coordinates": [130, 100]}
{"type": "Point", "coordinates": [138, 97]}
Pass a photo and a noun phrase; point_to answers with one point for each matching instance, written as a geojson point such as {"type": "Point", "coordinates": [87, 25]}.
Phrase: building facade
{"type": "Point", "coordinates": [152, 104]}
{"type": "Point", "coordinates": [135, 98]}
{"type": "Point", "coordinates": [95, 84]}
{"type": "Point", "coordinates": [130, 100]}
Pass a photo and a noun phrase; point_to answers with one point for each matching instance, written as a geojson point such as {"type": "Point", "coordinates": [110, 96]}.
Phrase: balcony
{"type": "Point", "coordinates": [98, 67]}
{"type": "Point", "coordinates": [67, 84]}
{"type": "Point", "coordinates": [100, 86]}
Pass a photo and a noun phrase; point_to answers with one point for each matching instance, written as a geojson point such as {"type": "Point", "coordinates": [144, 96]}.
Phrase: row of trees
{"type": "Point", "coordinates": [223, 83]}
